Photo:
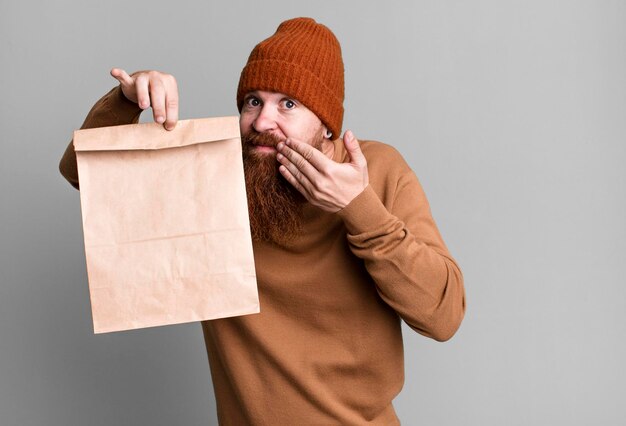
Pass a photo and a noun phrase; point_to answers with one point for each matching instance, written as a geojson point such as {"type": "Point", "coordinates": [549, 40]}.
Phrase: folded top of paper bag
{"type": "Point", "coordinates": [154, 135]}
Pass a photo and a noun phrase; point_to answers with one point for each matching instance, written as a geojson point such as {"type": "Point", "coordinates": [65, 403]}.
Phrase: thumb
{"type": "Point", "coordinates": [353, 148]}
{"type": "Point", "coordinates": [122, 76]}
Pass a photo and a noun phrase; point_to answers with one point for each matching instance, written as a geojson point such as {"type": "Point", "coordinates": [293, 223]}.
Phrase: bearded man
{"type": "Point", "coordinates": [344, 243]}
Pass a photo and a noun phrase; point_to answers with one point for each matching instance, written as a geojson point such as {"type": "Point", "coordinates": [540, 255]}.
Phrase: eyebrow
{"type": "Point", "coordinates": [254, 93]}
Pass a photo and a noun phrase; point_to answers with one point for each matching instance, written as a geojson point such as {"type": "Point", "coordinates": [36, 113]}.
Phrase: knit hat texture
{"type": "Point", "coordinates": [302, 59]}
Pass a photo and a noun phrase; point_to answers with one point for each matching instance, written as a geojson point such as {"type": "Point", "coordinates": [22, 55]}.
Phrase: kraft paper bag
{"type": "Point", "coordinates": [165, 222]}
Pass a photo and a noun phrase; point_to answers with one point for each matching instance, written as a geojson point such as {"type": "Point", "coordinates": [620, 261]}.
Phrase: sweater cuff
{"type": "Point", "coordinates": [364, 213]}
{"type": "Point", "coordinates": [121, 106]}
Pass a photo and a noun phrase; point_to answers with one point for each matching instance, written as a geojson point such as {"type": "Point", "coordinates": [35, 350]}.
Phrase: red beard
{"type": "Point", "coordinates": [274, 205]}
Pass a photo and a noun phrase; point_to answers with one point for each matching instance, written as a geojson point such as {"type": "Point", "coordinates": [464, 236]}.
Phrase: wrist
{"type": "Point", "coordinates": [364, 212]}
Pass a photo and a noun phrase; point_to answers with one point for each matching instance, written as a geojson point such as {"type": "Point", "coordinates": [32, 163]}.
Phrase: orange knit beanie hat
{"type": "Point", "coordinates": [302, 60]}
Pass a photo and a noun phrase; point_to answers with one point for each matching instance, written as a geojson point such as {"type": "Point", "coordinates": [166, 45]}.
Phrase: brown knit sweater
{"type": "Point", "coordinates": [327, 348]}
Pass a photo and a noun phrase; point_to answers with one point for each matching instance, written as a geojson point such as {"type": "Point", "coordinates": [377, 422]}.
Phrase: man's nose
{"type": "Point", "coordinates": [266, 120]}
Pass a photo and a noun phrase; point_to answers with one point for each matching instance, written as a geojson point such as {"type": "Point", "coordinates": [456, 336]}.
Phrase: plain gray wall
{"type": "Point", "coordinates": [512, 114]}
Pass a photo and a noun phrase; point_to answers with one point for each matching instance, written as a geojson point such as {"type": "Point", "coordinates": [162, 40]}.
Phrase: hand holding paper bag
{"type": "Point", "coordinates": [165, 220]}
{"type": "Point", "coordinates": [151, 88]}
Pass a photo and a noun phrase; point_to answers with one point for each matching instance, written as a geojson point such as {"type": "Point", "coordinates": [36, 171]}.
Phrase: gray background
{"type": "Point", "coordinates": [512, 114]}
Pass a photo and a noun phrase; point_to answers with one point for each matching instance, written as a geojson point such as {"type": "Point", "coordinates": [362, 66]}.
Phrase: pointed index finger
{"type": "Point", "coordinates": [121, 76]}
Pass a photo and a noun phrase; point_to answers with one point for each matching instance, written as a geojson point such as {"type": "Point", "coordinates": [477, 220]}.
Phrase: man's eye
{"type": "Point", "coordinates": [289, 104]}
{"type": "Point", "coordinates": [254, 102]}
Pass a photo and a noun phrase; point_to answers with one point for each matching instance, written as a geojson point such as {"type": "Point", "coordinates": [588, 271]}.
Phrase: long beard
{"type": "Point", "coordinates": [274, 205]}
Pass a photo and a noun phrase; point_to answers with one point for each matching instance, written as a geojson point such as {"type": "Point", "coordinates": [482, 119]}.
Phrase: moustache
{"type": "Point", "coordinates": [253, 137]}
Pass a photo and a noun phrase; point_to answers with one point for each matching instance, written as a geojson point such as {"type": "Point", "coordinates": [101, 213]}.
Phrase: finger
{"type": "Point", "coordinates": [293, 181]}
{"type": "Point", "coordinates": [354, 149]}
{"type": "Point", "coordinates": [300, 177]}
{"type": "Point", "coordinates": [301, 150]}
{"type": "Point", "coordinates": [122, 76]}
{"type": "Point", "coordinates": [298, 161]}
{"type": "Point", "coordinates": [171, 108]}
{"type": "Point", "coordinates": [143, 93]}
{"type": "Point", "coordinates": [157, 99]}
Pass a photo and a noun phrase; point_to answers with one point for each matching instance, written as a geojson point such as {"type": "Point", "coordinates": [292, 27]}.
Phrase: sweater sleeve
{"type": "Point", "coordinates": [405, 255]}
{"type": "Point", "coordinates": [111, 110]}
